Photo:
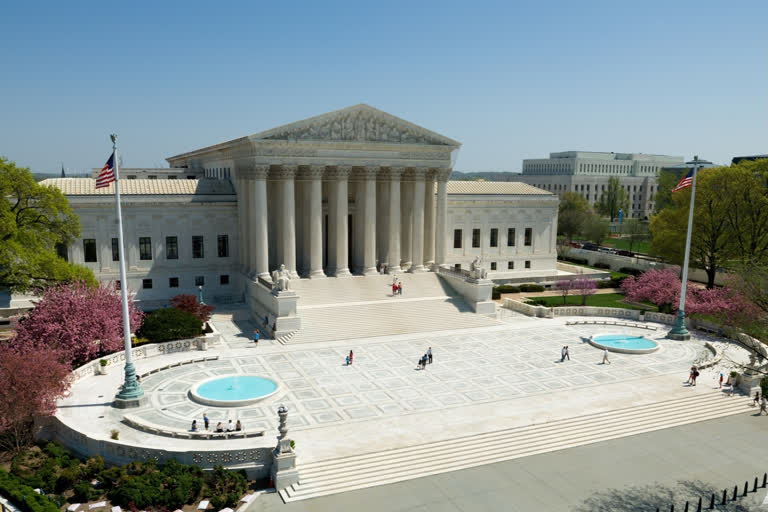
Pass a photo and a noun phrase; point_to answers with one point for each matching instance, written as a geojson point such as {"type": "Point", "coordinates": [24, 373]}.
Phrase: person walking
{"type": "Point", "coordinates": [605, 356]}
{"type": "Point", "coordinates": [351, 357]}
{"type": "Point", "coordinates": [206, 421]}
{"type": "Point", "coordinates": [690, 375]}
{"type": "Point", "coordinates": [346, 361]}
{"type": "Point", "coordinates": [763, 406]}
{"type": "Point", "coordinates": [566, 353]}
{"type": "Point", "coordinates": [429, 354]}
{"type": "Point", "coordinates": [400, 288]}
{"type": "Point", "coordinates": [756, 400]}
{"type": "Point", "coordinates": [394, 289]}
{"type": "Point", "coordinates": [695, 375]}
{"type": "Point", "coordinates": [256, 336]}
{"type": "Point", "coordinates": [562, 354]}
{"type": "Point", "coordinates": [720, 383]}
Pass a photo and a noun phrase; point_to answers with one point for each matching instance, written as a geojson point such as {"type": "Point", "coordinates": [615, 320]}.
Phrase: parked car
{"type": "Point", "coordinates": [590, 247]}
{"type": "Point", "coordinates": [625, 253]}
{"type": "Point", "coordinates": [575, 245]}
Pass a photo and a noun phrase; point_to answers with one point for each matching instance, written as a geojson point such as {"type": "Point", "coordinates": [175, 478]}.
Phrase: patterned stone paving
{"type": "Point", "coordinates": [469, 368]}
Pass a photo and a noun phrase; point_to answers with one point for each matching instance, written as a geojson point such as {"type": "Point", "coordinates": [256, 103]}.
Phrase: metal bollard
{"type": "Point", "coordinates": [672, 508]}
{"type": "Point", "coordinates": [765, 479]}
{"type": "Point", "coordinates": [725, 492]}
{"type": "Point", "coordinates": [712, 502]}
{"type": "Point", "coordinates": [698, 508]}
{"type": "Point", "coordinates": [754, 487]}
{"type": "Point", "coordinates": [735, 492]}
{"type": "Point", "coordinates": [746, 488]}
{"type": "Point", "coordinates": [686, 507]}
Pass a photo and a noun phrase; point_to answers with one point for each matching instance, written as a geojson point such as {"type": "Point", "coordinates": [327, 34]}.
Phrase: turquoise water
{"type": "Point", "coordinates": [236, 388]}
{"type": "Point", "coordinates": [625, 341]}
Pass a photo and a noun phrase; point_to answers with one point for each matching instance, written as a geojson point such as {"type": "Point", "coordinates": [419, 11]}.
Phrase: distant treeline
{"type": "Point", "coordinates": [486, 176]}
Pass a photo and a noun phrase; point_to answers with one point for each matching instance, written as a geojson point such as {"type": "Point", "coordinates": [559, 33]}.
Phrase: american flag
{"type": "Point", "coordinates": [107, 174]}
{"type": "Point", "coordinates": [685, 182]}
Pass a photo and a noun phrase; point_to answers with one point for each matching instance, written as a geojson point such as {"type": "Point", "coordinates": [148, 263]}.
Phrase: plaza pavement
{"type": "Point", "coordinates": [632, 474]}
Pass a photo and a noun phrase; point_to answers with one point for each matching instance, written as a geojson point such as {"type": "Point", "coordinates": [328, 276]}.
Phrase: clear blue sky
{"type": "Point", "coordinates": [510, 80]}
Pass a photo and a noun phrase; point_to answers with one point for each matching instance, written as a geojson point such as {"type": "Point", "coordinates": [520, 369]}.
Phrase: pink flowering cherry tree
{"type": "Point", "coordinates": [564, 286]}
{"type": "Point", "coordinates": [77, 321]}
{"type": "Point", "coordinates": [585, 287]}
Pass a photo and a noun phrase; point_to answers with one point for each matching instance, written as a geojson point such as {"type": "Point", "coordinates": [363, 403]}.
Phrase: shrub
{"type": "Point", "coordinates": [495, 295]}
{"type": "Point", "coordinates": [226, 486]}
{"type": "Point", "coordinates": [24, 496]}
{"type": "Point", "coordinates": [538, 302]}
{"type": "Point", "coordinates": [578, 261]}
{"type": "Point", "coordinates": [531, 288]}
{"type": "Point", "coordinates": [170, 324]}
{"type": "Point", "coordinates": [84, 492]}
{"type": "Point", "coordinates": [503, 288]}
{"type": "Point", "coordinates": [631, 271]}
{"type": "Point", "coordinates": [601, 265]}
{"type": "Point", "coordinates": [190, 304]}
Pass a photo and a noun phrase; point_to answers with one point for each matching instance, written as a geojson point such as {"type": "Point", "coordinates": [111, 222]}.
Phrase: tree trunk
{"type": "Point", "coordinates": [711, 273]}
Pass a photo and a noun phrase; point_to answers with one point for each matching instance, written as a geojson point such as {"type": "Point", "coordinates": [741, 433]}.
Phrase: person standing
{"type": "Point", "coordinates": [763, 406]}
{"type": "Point", "coordinates": [562, 354]}
{"type": "Point", "coordinates": [720, 383]}
{"type": "Point", "coordinates": [206, 421]}
{"type": "Point", "coordinates": [605, 356]}
{"type": "Point", "coordinates": [256, 336]}
{"type": "Point", "coordinates": [400, 288]}
{"type": "Point", "coordinates": [566, 353]}
{"type": "Point", "coordinates": [351, 356]}
{"type": "Point", "coordinates": [756, 399]}
{"type": "Point", "coordinates": [695, 375]}
{"type": "Point", "coordinates": [394, 289]}
{"type": "Point", "coordinates": [429, 354]}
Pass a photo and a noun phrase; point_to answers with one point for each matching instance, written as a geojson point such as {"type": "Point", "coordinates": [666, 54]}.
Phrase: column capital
{"type": "Point", "coordinates": [260, 171]}
{"type": "Point", "coordinates": [418, 173]}
{"type": "Point", "coordinates": [393, 173]}
{"type": "Point", "coordinates": [368, 172]}
{"type": "Point", "coordinates": [339, 172]}
{"type": "Point", "coordinates": [311, 172]}
{"type": "Point", "coordinates": [442, 174]}
{"type": "Point", "coordinates": [285, 172]}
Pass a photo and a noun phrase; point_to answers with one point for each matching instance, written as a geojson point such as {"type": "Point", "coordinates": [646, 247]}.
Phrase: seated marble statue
{"type": "Point", "coordinates": [476, 270]}
{"type": "Point", "coordinates": [280, 279]}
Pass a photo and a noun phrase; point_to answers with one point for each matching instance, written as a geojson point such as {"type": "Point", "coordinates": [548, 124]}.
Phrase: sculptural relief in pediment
{"type": "Point", "coordinates": [355, 126]}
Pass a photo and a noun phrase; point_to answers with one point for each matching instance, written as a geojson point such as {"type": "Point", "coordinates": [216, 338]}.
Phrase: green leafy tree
{"type": "Point", "coordinates": [33, 219]}
{"type": "Point", "coordinates": [665, 183]}
{"type": "Point", "coordinates": [572, 213]}
{"type": "Point", "coordinates": [745, 187]}
{"type": "Point", "coordinates": [613, 199]}
{"type": "Point", "coordinates": [711, 238]}
{"type": "Point", "coordinates": [595, 228]}
{"type": "Point", "coordinates": [634, 231]}
{"type": "Point", "coordinates": [170, 324]}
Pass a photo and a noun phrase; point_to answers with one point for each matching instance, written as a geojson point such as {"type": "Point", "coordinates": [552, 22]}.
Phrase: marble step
{"type": "Point", "coordinates": [358, 472]}
{"type": "Point", "coordinates": [357, 289]}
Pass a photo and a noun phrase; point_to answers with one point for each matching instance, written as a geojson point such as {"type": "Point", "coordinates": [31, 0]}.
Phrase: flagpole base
{"type": "Point", "coordinates": [120, 403]}
{"type": "Point", "coordinates": [131, 395]}
{"type": "Point", "coordinates": [679, 332]}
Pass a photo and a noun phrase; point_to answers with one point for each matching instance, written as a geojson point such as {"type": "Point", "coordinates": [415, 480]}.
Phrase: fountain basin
{"type": "Point", "coordinates": [233, 390]}
{"type": "Point", "coordinates": [624, 343]}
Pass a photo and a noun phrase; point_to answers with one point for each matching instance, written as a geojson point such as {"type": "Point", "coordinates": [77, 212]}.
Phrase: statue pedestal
{"type": "Point", "coordinates": [749, 383]}
{"type": "Point", "coordinates": [284, 472]}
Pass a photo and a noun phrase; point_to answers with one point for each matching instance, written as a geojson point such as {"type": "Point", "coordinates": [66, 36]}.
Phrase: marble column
{"type": "Point", "coordinates": [287, 222]}
{"type": "Point", "coordinates": [368, 216]}
{"type": "Point", "coordinates": [417, 238]}
{"type": "Point", "coordinates": [242, 205]}
{"type": "Point", "coordinates": [394, 218]}
{"type": "Point", "coordinates": [429, 220]}
{"type": "Point", "coordinates": [441, 246]}
{"type": "Point", "coordinates": [406, 220]}
{"type": "Point", "coordinates": [316, 221]}
{"type": "Point", "coordinates": [257, 230]}
{"type": "Point", "coordinates": [338, 213]}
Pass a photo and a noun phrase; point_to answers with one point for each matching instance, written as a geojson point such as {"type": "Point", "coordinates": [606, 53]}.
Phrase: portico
{"type": "Point", "coordinates": [351, 191]}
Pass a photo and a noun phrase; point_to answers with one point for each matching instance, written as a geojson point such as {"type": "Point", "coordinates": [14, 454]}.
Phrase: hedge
{"type": "Point", "coordinates": [631, 271]}
{"type": "Point", "coordinates": [170, 324]}
{"type": "Point", "coordinates": [601, 265]}
{"type": "Point", "coordinates": [24, 496]}
{"type": "Point", "coordinates": [578, 261]}
{"type": "Point", "coordinates": [503, 288]}
{"type": "Point", "coordinates": [531, 288]}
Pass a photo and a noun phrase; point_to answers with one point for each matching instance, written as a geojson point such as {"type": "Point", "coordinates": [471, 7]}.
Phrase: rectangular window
{"type": "Point", "coordinates": [528, 236]}
{"type": "Point", "coordinates": [494, 237]}
{"type": "Point", "coordinates": [510, 265]}
{"type": "Point", "coordinates": [527, 264]}
{"type": "Point", "coordinates": [115, 250]}
{"type": "Point", "coordinates": [199, 280]}
{"type": "Point", "coordinates": [475, 238]}
{"type": "Point", "coordinates": [171, 248]}
{"type": "Point", "coordinates": [145, 248]}
{"type": "Point", "coordinates": [151, 177]}
{"type": "Point", "coordinates": [131, 177]}
{"type": "Point", "coordinates": [457, 239]}
{"type": "Point", "coordinates": [61, 251]}
{"type": "Point", "coordinates": [146, 284]}
{"type": "Point", "coordinates": [173, 282]}
{"type": "Point", "coordinates": [171, 177]}
{"type": "Point", "coordinates": [223, 245]}
{"type": "Point", "coordinates": [493, 265]}
{"type": "Point", "coordinates": [118, 284]}
{"type": "Point", "coordinates": [510, 237]}
{"type": "Point", "coordinates": [457, 267]}
{"type": "Point", "coordinates": [89, 250]}
{"type": "Point", "coordinates": [197, 246]}
{"type": "Point", "coordinates": [224, 279]}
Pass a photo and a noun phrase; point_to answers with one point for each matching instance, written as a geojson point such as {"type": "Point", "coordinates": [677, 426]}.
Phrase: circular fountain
{"type": "Point", "coordinates": [233, 390]}
{"type": "Point", "coordinates": [624, 343]}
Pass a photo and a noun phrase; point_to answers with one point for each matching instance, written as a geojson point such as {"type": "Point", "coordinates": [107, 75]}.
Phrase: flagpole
{"type": "Point", "coordinates": [679, 332]}
{"type": "Point", "coordinates": [131, 393]}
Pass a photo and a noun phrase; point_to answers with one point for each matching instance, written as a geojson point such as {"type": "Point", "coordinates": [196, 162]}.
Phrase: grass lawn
{"type": "Point", "coordinates": [621, 244]}
{"type": "Point", "coordinates": [600, 300]}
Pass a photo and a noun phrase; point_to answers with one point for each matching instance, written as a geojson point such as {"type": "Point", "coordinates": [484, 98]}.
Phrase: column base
{"type": "Point", "coordinates": [316, 274]}
{"type": "Point", "coordinates": [415, 269]}
{"type": "Point", "coordinates": [342, 272]}
{"type": "Point", "coordinates": [370, 271]}
{"type": "Point", "coordinates": [678, 337]}
{"type": "Point", "coordinates": [394, 270]}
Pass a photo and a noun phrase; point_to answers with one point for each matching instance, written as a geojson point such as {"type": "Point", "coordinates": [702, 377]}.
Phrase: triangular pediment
{"type": "Point", "coordinates": [359, 123]}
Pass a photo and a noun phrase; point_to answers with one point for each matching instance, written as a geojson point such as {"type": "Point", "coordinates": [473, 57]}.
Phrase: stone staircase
{"type": "Point", "coordinates": [327, 477]}
{"type": "Point", "coordinates": [363, 307]}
